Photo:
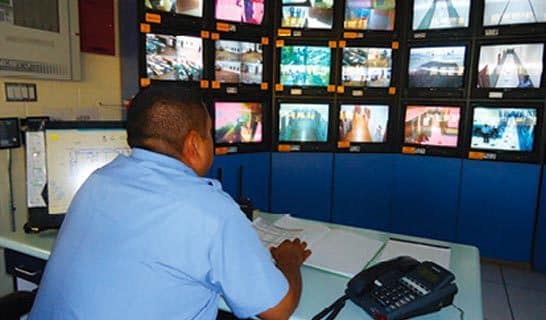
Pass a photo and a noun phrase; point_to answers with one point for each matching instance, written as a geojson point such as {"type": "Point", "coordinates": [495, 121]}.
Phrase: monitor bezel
{"type": "Point", "coordinates": [433, 150]}
{"type": "Point", "coordinates": [241, 28]}
{"type": "Point", "coordinates": [172, 32]}
{"type": "Point", "coordinates": [505, 30]}
{"type": "Point", "coordinates": [363, 92]}
{"type": "Point", "coordinates": [506, 93]}
{"type": "Point", "coordinates": [389, 146]}
{"type": "Point", "coordinates": [241, 147]}
{"type": "Point", "coordinates": [299, 146]}
{"type": "Point", "coordinates": [533, 156]}
{"type": "Point", "coordinates": [236, 88]}
{"type": "Point", "coordinates": [303, 33]}
{"type": "Point", "coordinates": [175, 20]}
{"type": "Point", "coordinates": [294, 91]}
{"type": "Point", "coordinates": [18, 141]}
{"type": "Point", "coordinates": [437, 92]}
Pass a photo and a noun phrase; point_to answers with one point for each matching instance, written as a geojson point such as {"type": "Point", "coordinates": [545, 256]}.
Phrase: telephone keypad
{"type": "Point", "coordinates": [395, 295]}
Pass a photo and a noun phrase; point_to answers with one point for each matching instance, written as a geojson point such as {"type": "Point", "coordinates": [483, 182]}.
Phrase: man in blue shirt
{"type": "Point", "coordinates": [147, 237]}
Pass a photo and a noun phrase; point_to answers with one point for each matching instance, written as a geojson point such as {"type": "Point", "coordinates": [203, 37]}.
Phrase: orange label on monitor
{"type": "Point", "coordinates": [145, 28]}
{"type": "Point", "coordinates": [279, 87]}
{"type": "Point", "coordinates": [221, 150]}
{"type": "Point", "coordinates": [395, 45]}
{"type": "Point", "coordinates": [340, 89]}
{"type": "Point", "coordinates": [284, 148]}
{"type": "Point", "coordinates": [408, 150]}
{"type": "Point", "coordinates": [222, 26]}
{"type": "Point", "coordinates": [144, 82]}
{"type": "Point", "coordinates": [279, 43]}
{"type": "Point", "coordinates": [216, 84]}
{"type": "Point", "coordinates": [264, 85]}
{"type": "Point", "coordinates": [214, 36]}
{"type": "Point", "coordinates": [343, 144]}
{"type": "Point", "coordinates": [204, 84]}
{"type": "Point", "coordinates": [332, 44]}
{"type": "Point", "coordinates": [331, 88]}
{"type": "Point", "coordinates": [265, 41]}
{"type": "Point", "coordinates": [152, 18]}
{"type": "Point", "coordinates": [342, 43]}
{"type": "Point", "coordinates": [476, 155]}
{"type": "Point", "coordinates": [284, 32]}
{"type": "Point", "coordinates": [350, 35]}
{"type": "Point", "coordinates": [205, 34]}
{"type": "Point", "coordinates": [392, 91]}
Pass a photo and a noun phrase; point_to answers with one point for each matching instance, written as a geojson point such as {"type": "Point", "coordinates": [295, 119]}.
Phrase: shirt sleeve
{"type": "Point", "coordinates": [243, 270]}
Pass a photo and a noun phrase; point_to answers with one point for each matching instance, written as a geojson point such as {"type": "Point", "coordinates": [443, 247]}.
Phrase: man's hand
{"type": "Point", "coordinates": [290, 254]}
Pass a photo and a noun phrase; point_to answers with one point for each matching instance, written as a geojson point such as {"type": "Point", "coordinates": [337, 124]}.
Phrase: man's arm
{"type": "Point", "coordinates": [289, 256]}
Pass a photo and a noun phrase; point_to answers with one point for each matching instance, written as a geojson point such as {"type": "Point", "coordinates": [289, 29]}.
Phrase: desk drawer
{"type": "Point", "coordinates": [24, 266]}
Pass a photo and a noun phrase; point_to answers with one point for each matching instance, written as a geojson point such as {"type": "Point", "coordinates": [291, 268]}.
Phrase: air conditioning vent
{"type": "Point", "coordinates": [48, 70]}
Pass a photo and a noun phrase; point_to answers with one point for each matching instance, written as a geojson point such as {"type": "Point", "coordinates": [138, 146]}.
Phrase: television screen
{"type": "Point", "coordinates": [238, 62]}
{"type": "Point", "coordinates": [174, 57]}
{"type": "Point", "coordinates": [511, 129]}
{"type": "Point", "coordinates": [243, 11]}
{"type": "Point", "coordinates": [303, 122]}
{"type": "Point", "coordinates": [505, 12]}
{"type": "Point", "coordinates": [436, 67]}
{"type": "Point", "coordinates": [432, 125]}
{"type": "Point", "coordinates": [238, 122]}
{"type": "Point", "coordinates": [510, 66]}
{"type": "Point", "coordinates": [367, 67]}
{"type": "Point", "coordinates": [440, 14]}
{"type": "Point", "coordinates": [369, 14]}
{"type": "Point", "coordinates": [307, 14]}
{"type": "Point", "coordinates": [363, 123]}
{"type": "Point", "coordinates": [188, 7]}
{"type": "Point", "coordinates": [305, 66]}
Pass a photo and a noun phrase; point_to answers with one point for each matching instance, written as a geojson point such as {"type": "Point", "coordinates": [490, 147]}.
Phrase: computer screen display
{"type": "Point", "coordinates": [242, 11]}
{"type": "Point", "coordinates": [370, 14]}
{"type": "Point", "coordinates": [510, 66]}
{"type": "Point", "coordinates": [436, 67]}
{"type": "Point", "coordinates": [238, 122]}
{"type": "Point", "coordinates": [363, 123]}
{"type": "Point", "coordinates": [303, 122]}
{"type": "Point", "coordinates": [440, 14]}
{"type": "Point", "coordinates": [188, 7]}
{"type": "Point", "coordinates": [307, 14]}
{"type": "Point", "coordinates": [305, 66]}
{"type": "Point", "coordinates": [10, 135]}
{"type": "Point", "coordinates": [509, 129]}
{"type": "Point", "coordinates": [432, 125]}
{"type": "Point", "coordinates": [507, 12]}
{"type": "Point", "coordinates": [174, 57]}
{"type": "Point", "coordinates": [72, 155]}
{"type": "Point", "coordinates": [366, 67]}
{"type": "Point", "coordinates": [238, 62]}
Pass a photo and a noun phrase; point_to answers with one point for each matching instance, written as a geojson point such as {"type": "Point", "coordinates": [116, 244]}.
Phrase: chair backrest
{"type": "Point", "coordinates": [16, 304]}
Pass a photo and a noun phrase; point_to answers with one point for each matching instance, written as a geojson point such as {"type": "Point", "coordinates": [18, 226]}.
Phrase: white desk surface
{"type": "Point", "coordinates": [321, 288]}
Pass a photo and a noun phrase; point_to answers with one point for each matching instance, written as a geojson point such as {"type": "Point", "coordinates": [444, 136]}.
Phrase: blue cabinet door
{"type": "Point", "coordinates": [539, 254]}
{"type": "Point", "coordinates": [301, 184]}
{"type": "Point", "coordinates": [363, 186]}
{"type": "Point", "coordinates": [426, 196]}
{"type": "Point", "coordinates": [497, 211]}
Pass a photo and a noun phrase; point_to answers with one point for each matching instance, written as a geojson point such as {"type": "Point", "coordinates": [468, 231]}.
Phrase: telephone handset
{"type": "Point", "coordinates": [398, 289]}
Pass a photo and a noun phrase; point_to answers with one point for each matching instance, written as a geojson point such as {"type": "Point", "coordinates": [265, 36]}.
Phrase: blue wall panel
{"type": "Point", "coordinates": [302, 184]}
{"type": "Point", "coordinates": [363, 190]}
{"type": "Point", "coordinates": [539, 259]}
{"type": "Point", "coordinates": [498, 202]}
{"type": "Point", "coordinates": [425, 196]}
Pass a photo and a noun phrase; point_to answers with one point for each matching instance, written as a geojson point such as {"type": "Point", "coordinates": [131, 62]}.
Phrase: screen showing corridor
{"type": "Point", "coordinates": [506, 12]}
{"type": "Point", "coordinates": [303, 122]}
{"type": "Point", "coordinates": [440, 14]}
{"type": "Point", "coordinates": [363, 123]}
{"type": "Point", "coordinates": [432, 125]}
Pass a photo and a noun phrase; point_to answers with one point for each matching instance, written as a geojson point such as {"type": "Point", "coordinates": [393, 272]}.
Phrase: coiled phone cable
{"type": "Point", "coordinates": [332, 310]}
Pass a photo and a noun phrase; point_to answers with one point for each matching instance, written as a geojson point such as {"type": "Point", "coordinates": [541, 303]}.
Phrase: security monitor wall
{"type": "Point", "coordinates": [370, 15]}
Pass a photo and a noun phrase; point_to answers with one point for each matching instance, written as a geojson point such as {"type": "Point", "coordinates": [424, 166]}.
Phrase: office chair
{"type": "Point", "coordinates": [16, 304]}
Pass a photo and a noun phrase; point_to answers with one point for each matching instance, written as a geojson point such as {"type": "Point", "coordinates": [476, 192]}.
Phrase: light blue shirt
{"type": "Point", "coordinates": [146, 238]}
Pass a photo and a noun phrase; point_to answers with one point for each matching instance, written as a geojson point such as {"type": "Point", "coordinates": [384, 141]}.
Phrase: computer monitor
{"type": "Point", "coordinates": [192, 8]}
{"type": "Point", "coordinates": [10, 133]}
{"type": "Point", "coordinates": [369, 15]}
{"type": "Point", "coordinates": [238, 122]}
{"type": "Point", "coordinates": [238, 62]}
{"type": "Point", "coordinates": [366, 67]}
{"type": "Point", "coordinates": [240, 11]}
{"type": "Point", "coordinates": [173, 57]}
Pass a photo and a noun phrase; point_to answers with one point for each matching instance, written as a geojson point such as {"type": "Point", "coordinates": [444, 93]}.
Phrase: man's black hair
{"type": "Point", "coordinates": [166, 115]}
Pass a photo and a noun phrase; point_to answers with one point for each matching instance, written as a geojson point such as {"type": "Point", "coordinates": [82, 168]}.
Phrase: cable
{"type": "Point", "coordinates": [11, 201]}
{"type": "Point", "coordinates": [461, 311]}
{"type": "Point", "coordinates": [332, 310]}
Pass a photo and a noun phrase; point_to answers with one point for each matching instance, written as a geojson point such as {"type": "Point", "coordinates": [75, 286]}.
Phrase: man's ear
{"type": "Point", "coordinates": [192, 144]}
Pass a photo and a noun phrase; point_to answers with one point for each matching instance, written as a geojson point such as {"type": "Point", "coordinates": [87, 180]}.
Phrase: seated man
{"type": "Point", "coordinates": [147, 237]}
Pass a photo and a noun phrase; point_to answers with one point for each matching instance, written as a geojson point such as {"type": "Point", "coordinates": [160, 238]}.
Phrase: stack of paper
{"type": "Point", "coordinates": [419, 251]}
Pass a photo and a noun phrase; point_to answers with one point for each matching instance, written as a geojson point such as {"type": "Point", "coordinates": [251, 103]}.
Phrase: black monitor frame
{"type": "Point", "coordinates": [533, 156]}
{"type": "Point", "coordinates": [236, 88]}
{"type": "Point", "coordinates": [506, 30]}
{"type": "Point", "coordinates": [299, 146]}
{"type": "Point", "coordinates": [241, 147]}
{"type": "Point", "coordinates": [39, 218]}
{"type": "Point", "coordinates": [227, 26]}
{"type": "Point", "coordinates": [437, 92]}
{"type": "Point", "coordinates": [507, 93]}
{"type": "Point", "coordinates": [350, 91]}
{"type": "Point", "coordinates": [16, 138]}
{"type": "Point", "coordinates": [433, 150]}
{"type": "Point", "coordinates": [171, 20]}
{"type": "Point", "coordinates": [391, 143]}
{"type": "Point", "coordinates": [441, 33]}
{"type": "Point", "coordinates": [288, 32]}
{"type": "Point", "coordinates": [289, 90]}
{"type": "Point", "coordinates": [350, 33]}
{"type": "Point", "coordinates": [171, 32]}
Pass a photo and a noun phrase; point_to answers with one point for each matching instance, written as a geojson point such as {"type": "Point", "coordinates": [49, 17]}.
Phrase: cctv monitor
{"type": "Point", "coordinates": [366, 67]}
{"type": "Point", "coordinates": [369, 15]}
{"type": "Point", "coordinates": [240, 11]}
{"type": "Point", "coordinates": [513, 17]}
{"type": "Point", "coordinates": [363, 123]}
{"type": "Point", "coordinates": [238, 122]}
{"type": "Point", "coordinates": [238, 62]}
{"type": "Point", "coordinates": [192, 8]}
{"type": "Point", "coordinates": [306, 14]}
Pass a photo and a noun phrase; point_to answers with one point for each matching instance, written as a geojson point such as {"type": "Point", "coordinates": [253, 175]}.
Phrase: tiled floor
{"type": "Point", "coordinates": [511, 293]}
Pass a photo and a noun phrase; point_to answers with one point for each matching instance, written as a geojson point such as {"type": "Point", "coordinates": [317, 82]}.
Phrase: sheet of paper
{"type": "Point", "coordinates": [419, 251]}
{"type": "Point", "coordinates": [310, 232]}
{"type": "Point", "coordinates": [272, 235]}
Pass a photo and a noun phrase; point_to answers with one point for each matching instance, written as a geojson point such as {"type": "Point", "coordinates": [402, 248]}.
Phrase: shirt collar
{"type": "Point", "coordinates": [161, 159]}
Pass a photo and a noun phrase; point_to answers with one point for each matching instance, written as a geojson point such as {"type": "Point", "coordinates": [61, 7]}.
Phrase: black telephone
{"type": "Point", "coordinates": [398, 289]}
